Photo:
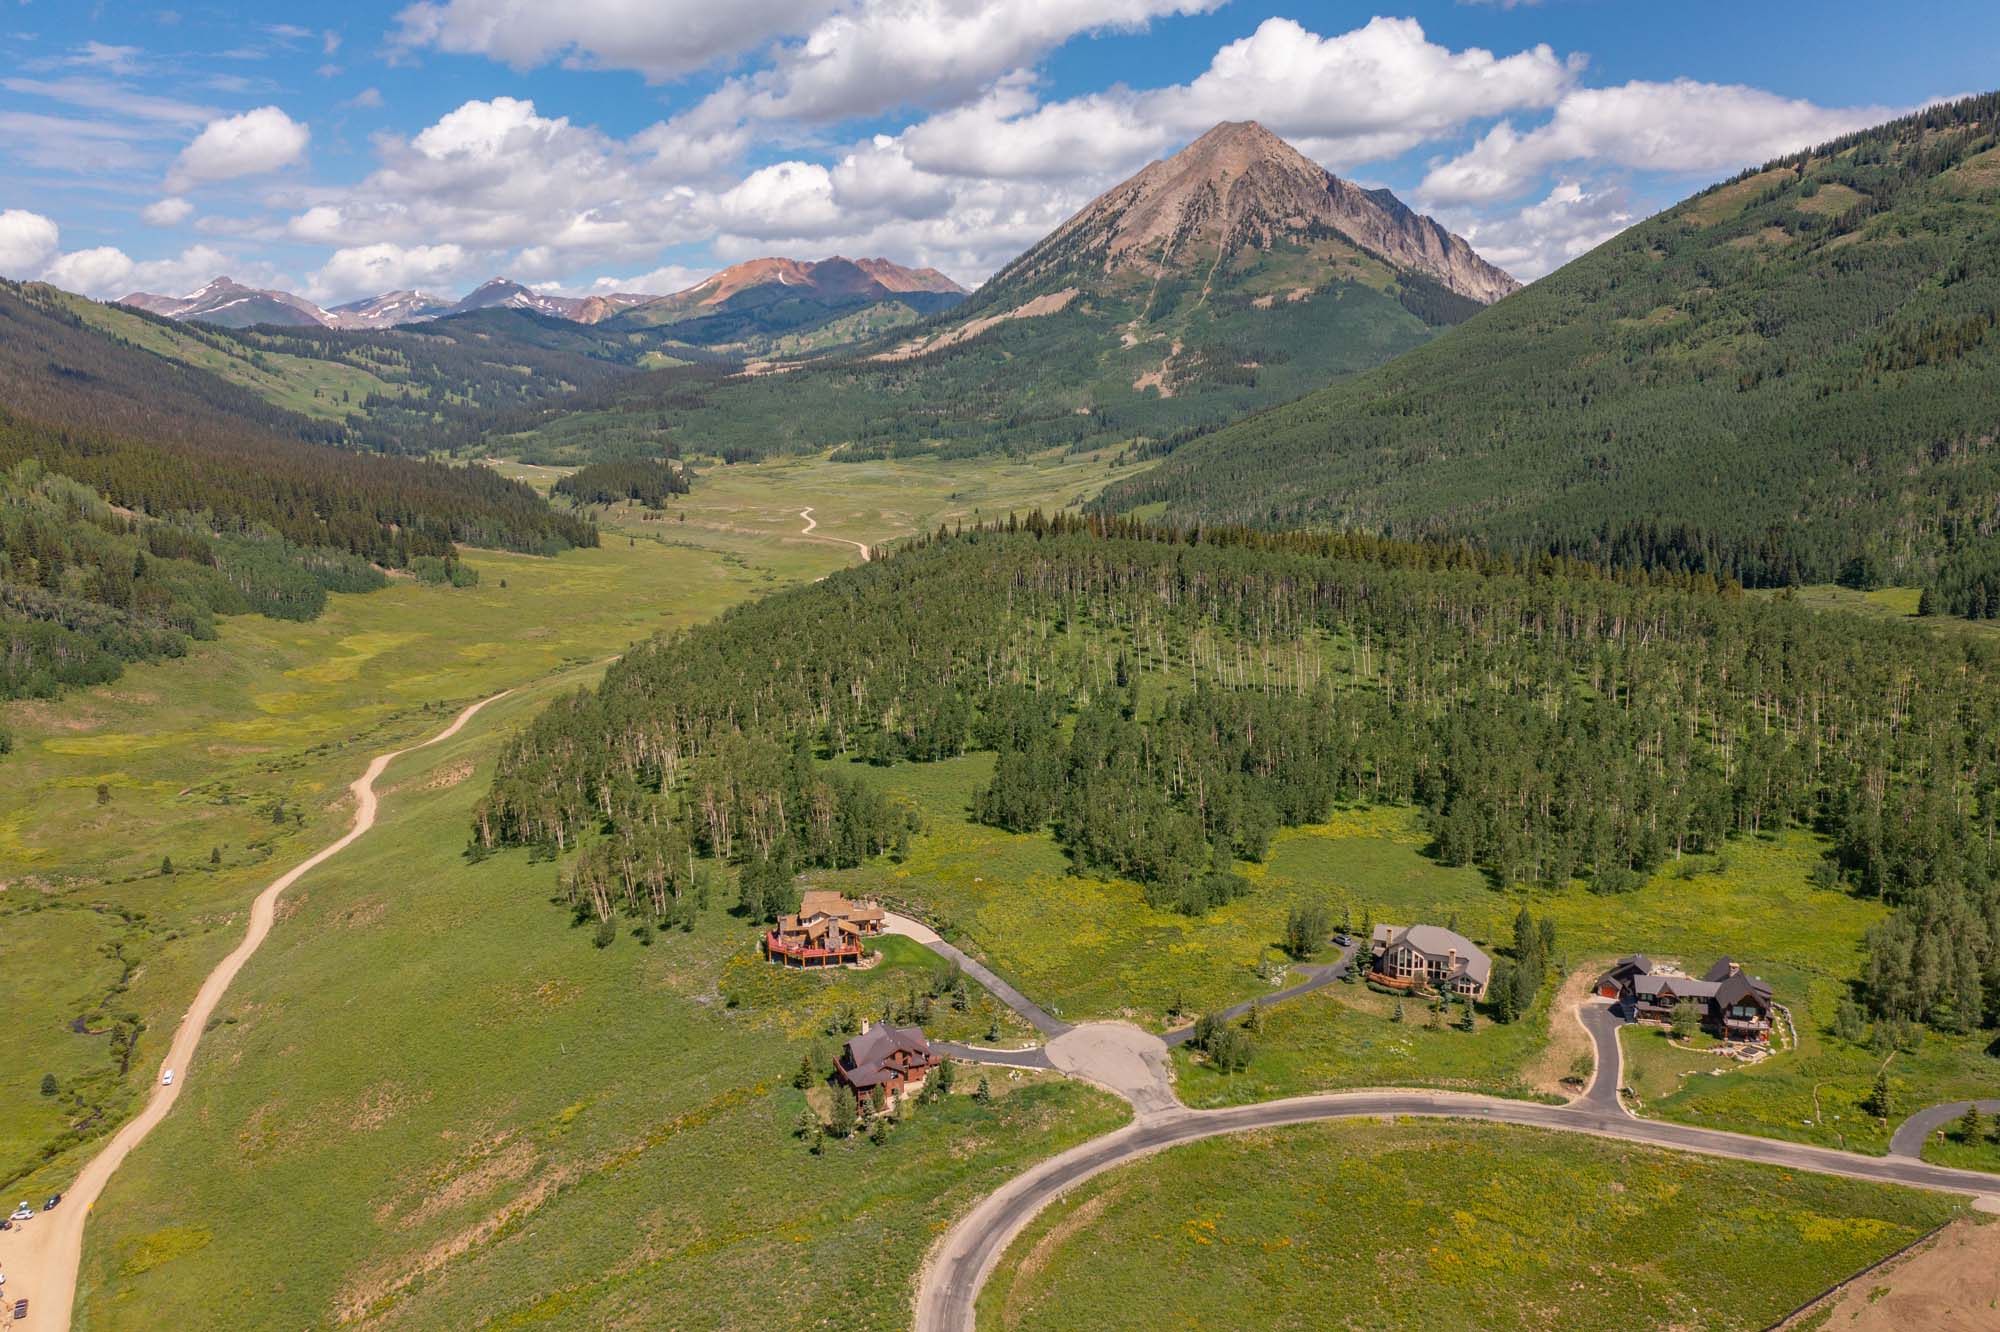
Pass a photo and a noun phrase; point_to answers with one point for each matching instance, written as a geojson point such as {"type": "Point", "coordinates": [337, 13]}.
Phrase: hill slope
{"type": "Point", "coordinates": [1785, 377]}
{"type": "Point", "coordinates": [1231, 276]}
{"type": "Point", "coordinates": [141, 496]}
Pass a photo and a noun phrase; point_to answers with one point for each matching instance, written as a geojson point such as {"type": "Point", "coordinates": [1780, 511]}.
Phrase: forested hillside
{"type": "Point", "coordinates": [139, 497]}
{"type": "Point", "coordinates": [1162, 706]}
{"type": "Point", "coordinates": [1790, 377]}
{"type": "Point", "coordinates": [439, 386]}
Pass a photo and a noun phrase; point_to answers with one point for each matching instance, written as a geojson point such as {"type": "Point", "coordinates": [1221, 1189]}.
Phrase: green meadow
{"type": "Point", "coordinates": [233, 763]}
{"type": "Point", "coordinates": [477, 1119]}
{"type": "Point", "coordinates": [1365, 1226]}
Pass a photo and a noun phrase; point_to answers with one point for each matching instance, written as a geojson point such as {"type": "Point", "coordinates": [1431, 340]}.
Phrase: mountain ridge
{"type": "Point", "coordinates": [1788, 377]}
{"type": "Point", "coordinates": [1237, 187]}
{"type": "Point", "coordinates": [231, 304]}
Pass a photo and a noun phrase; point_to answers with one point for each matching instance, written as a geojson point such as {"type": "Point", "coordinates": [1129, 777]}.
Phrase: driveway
{"type": "Point", "coordinates": [909, 928]}
{"type": "Point", "coordinates": [1316, 977]}
{"type": "Point", "coordinates": [1914, 1132]}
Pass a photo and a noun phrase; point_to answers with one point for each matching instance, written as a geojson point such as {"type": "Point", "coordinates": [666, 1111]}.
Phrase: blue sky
{"type": "Point", "coordinates": [638, 144]}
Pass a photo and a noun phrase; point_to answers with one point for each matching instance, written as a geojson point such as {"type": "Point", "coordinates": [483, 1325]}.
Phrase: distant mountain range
{"type": "Point", "coordinates": [834, 283]}
{"type": "Point", "coordinates": [1232, 276]}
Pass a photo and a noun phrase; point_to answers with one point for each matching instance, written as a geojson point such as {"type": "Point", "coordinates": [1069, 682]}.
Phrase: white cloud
{"type": "Point", "coordinates": [102, 271]}
{"type": "Point", "coordinates": [661, 39]}
{"type": "Point", "coordinates": [1363, 95]}
{"type": "Point", "coordinates": [1571, 221]}
{"type": "Point", "coordinates": [244, 145]}
{"type": "Point", "coordinates": [662, 281]}
{"type": "Point", "coordinates": [112, 59]}
{"type": "Point", "coordinates": [104, 95]}
{"type": "Point", "coordinates": [365, 270]}
{"type": "Point", "coordinates": [64, 143]}
{"type": "Point", "coordinates": [168, 211]}
{"type": "Point", "coordinates": [875, 55]}
{"type": "Point", "coordinates": [107, 272]}
{"type": "Point", "coordinates": [497, 175]}
{"type": "Point", "coordinates": [367, 98]}
{"type": "Point", "coordinates": [26, 242]}
{"type": "Point", "coordinates": [792, 199]}
{"type": "Point", "coordinates": [1007, 135]}
{"type": "Point", "coordinates": [1385, 78]}
{"type": "Point", "coordinates": [1679, 126]}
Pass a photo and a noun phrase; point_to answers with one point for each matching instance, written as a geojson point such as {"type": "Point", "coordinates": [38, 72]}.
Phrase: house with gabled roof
{"type": "Point", "coordinates": [1733, 1005]}
{"type": "Point", "coordinates": [1406, 956]}
{"type": "Point", "coordinates": [895, 1059]}
{"type": "Point", "coordinates": [826, 931]}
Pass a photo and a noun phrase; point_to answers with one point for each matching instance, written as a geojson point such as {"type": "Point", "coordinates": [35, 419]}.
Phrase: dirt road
{"type": "Point", "coordinates": [40, 1257]}
{"type": "Point", "coordinates": [812, 525]}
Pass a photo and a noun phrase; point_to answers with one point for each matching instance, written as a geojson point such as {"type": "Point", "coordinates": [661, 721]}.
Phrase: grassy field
{"type": "Point", "coordinates": [1365, 1226]}
{"type": "Point", "coordinates": [1091, 947]}
{"type": "Point", "coordinates": [233, 762]}
{"type": "Point", "coordinates": [476, 1119]}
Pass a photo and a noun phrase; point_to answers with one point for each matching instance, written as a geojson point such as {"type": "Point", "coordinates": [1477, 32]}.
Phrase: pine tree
{"type": "Point", "coordinates": [1880, 1103]}
{"type": "Point", "coordinates": [846, 1113]}
{"type": "Point", "coordinates": [983, 1093]}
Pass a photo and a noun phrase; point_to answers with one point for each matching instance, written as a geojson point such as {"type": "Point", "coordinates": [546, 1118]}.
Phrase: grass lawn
{"type": "Point", "coordinates": [1656, 1065]}
{"type": "Point", "coordinates": [1950, 1147]}
{"type": "Point", "coordinates": [1364, 1226]}
{"type": "Point", "coordinates": [1346, 1036]}
{"type": "Point", "coordinates": [476, 1119]}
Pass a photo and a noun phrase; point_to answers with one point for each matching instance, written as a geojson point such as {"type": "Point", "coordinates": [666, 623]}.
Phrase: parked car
{"type": "Point", "coordinates": [20, 1310]}
{"type": "Point", "coordinates": [23, 1213]}
{"type": "Point", "coordinates": [50, 1205]}
{"type": "Point", "coordinates": [167, 1078]}
{"type": "Point", "coordinates": [1342, 939]}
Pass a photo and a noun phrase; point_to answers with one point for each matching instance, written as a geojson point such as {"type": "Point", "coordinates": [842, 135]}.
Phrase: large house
{"type": "Point", "coordinates": [1733, 1005]}
{"type": "Point", "coordinates": [828, 931]}
{"type": "Point", "coordinates": [1406, 956]}
{"type": "Point", "coordinates": [896, 1059]}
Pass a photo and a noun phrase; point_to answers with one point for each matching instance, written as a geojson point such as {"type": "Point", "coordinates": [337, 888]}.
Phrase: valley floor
{"type": "Point", "coordinates": [478, 1120]}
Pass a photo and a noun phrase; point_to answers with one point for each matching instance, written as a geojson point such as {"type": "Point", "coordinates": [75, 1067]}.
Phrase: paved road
{"type": "Point", "coordinates": [1602, 1022]}
{"type": "Point", "coordinates": [951, 1281]}
{"type": "Point", "coordinates": [41, 1256]}
{"type": "Point", "coordinates": [1001, 990]}
{"type": "Point", "coordinates": [1316, 978]}
{"type": "Point", "coordinates": [1035, 1056]}
{"type": "Point", "coordinates": [1914, 1132]}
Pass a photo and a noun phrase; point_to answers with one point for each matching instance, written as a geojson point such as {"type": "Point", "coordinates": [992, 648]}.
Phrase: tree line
{"type": "Point", "coordinates": [1162, 702]}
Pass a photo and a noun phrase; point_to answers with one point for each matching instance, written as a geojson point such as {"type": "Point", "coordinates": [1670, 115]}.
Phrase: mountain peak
{"type": "Point", "coordinates": [1238, 188]}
